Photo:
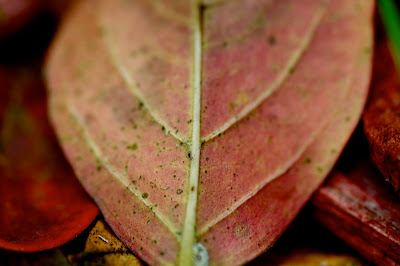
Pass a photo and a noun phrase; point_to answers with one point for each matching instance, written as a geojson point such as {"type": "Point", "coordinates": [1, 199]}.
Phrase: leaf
{"type": "Point", "coordinates": [15, 14]}
{"type": "Point", "coordinates": [103, 247]}
{"type": "Point", "coordinates": [53, 257]}
{"type": "Point", "coordinates": [301, 257]}
{"type": "Point", "coordinates": [42, 203]}
{"type": "Point", "coordinates": [381, 117]}
{"type": "Point", "coordinates": [362, 210]}
{"type": "Point", "coordinates": [130, 81]}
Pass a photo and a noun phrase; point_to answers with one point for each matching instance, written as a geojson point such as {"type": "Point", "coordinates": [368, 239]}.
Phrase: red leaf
{"type": "Point", "coordinates": [16, 13]}
{"type": "Point", "coordinates": [205, 128]}
{"type": "Point", "coordinates": [42, 203]}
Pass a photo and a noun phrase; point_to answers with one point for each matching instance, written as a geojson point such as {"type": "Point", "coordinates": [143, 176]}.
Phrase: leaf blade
{"type": "Point", "coordinates": [172, 173]}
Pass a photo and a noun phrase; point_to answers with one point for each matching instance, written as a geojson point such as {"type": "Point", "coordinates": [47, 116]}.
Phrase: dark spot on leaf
{"type": "Point", "coordinates": [145, 195]}
{"type": "Point", "coordinates": [132, 147]}
{"type": "Point", "coordinates": [140, 105]}
{"type": "Point", "coordinates": [308, 160]}
{"type": "Point", "coordinates": [272, 40]}
{"type": "Point", "coordinates": [179, 191]}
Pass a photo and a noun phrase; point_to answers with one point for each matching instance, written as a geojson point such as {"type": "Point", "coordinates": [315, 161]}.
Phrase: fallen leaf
{"type": "Point", "coordinates": [15, 14]}
{"type": "Point", "coordinates": [278, 86]}
{"type": "Point", "coordinates": [382, 117]}
{"type": "Point", "coordinates": [361, 209]}
{"type": "Point", "coordinates": [42, 203]}
{"type": "Point", "coordinates": [308, 257]}
{"type": "Point", "coordinates": [53, 257]}
{"type": "Point", "coordinates": [103, 247]}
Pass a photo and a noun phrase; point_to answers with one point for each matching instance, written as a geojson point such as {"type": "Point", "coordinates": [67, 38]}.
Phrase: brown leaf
{"type": "Point", "coordinates": [382, 117]}
{"type": "Point", "coordinates": [308, 257]}
{"type": "Point", "coordinates": [53, 257]}
{"type": "Point", "coordinates": [362, 210]}
{"type": "Point", "coordinates": [203, 133]}
{"type": "Point", "coordinates": [103, 247]}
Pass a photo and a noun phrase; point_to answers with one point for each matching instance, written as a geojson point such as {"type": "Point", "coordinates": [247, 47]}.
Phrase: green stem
{"type": "Point", "coordinates": [391, 20]}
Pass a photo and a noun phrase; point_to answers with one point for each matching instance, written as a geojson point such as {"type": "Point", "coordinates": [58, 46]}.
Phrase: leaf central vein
{"type": "Point", "coordinates": [189, 228]}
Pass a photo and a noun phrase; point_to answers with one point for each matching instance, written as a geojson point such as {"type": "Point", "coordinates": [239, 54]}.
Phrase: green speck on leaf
{"type": "Point", "coordinates": [132, 147]}
{"type": "Point", "coordinates": [260, 20]}
{"type": "Point", "coordinates": [319, 169]}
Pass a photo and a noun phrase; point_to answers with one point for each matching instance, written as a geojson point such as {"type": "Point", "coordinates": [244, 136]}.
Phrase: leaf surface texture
{"type": "Point", "coordinates": [205, 127]}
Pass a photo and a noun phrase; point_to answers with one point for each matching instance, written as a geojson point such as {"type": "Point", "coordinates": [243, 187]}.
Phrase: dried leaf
{"type": "Point", "coordinates": [362, 210]}
{"type": "Point", "coordinates": [382, 117]}
{"type": "Point", "coordinates": [103, 247]}
{"type": "Point", "coordinates": [42, 203]}
{"type": "Point", "coordinates": [53, 257]}
{"type": "Point", "coordinates": [308, 257]}
{"type": "Point", "coordinates": [278, 87]}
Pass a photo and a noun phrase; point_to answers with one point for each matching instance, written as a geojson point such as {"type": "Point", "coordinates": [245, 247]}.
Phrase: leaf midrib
{"type": "Point", "coordinates": [189, 225]}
